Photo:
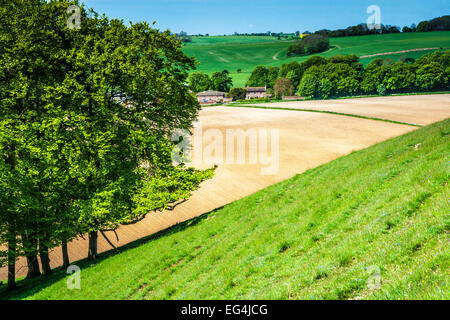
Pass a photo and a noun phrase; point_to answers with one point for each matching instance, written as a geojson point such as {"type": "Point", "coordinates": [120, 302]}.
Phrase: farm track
{"type": "Point", "coordinates": [306, 140]}
{"type": "Point", "coordinates": [397, 52]}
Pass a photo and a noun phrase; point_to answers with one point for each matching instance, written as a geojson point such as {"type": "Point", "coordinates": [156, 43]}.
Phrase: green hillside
{"type": "Point", "coordinates": [315, 236]}
{"type": "Point", "coordinates": [232, 53]}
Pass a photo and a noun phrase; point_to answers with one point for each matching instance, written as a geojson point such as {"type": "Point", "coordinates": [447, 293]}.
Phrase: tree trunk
{"type": "Point", "coordinates": [12, 239]}
{"type": "Point", "coordinates": [12, 243]}
{"type": "Point", "coordinates": [30, 244]}
{"type": "Point", "coordinates": [92, 245]}
{"type": "Point", "coordinates": [45, 261]}
{"type": "Point", "coordinates": [65, 255]}
{"type": "Point", "coordinates": [33, 266]}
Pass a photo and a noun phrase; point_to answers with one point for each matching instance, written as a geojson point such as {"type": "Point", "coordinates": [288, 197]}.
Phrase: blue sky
{"type": "Point", "coordinates": [227, 16]}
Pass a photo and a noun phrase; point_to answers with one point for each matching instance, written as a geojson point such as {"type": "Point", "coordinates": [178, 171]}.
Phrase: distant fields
{"type": "Point", "coordinates": [233, 52]}
{"type": "Point", "coordinates": [319, 235]}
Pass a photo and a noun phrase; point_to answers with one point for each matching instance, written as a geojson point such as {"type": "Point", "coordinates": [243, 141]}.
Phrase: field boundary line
{"type": "Point", "coordinates": [330, 112]}
{"type": "Point", "coordinates": [396, 52]}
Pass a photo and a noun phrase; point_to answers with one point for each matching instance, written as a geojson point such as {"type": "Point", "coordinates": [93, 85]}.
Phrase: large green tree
{"type": "Point", "coordinates": [86, 117]}
{"type": "Point", "coordinates": [199, 81]}
{"type": "Point", "coordinates": [221, 81]}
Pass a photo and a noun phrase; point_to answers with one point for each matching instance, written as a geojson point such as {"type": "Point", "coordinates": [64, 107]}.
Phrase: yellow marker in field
{"type": "Point", "coordinates": [303, 36]}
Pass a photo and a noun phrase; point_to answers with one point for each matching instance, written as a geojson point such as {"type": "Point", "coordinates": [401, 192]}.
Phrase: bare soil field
{"type": "Point", "coordinates": [418, 109]}
{"type": "Point", "coordinates": [306, 140]}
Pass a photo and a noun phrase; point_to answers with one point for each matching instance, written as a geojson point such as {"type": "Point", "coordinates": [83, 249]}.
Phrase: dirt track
{"type": "Point", "coordinates": [397, 52]}
{"type": "Point", "coordinates": [306, 140]}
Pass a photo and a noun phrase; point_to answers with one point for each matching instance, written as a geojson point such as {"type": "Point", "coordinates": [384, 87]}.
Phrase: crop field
{"type": "Point", "coordinates": [245, 53]}
{"type": "Point", "coordinates": [408, 109]}
{"type": "Point", "coordinates": [307, 139]}
{"type": "Point", "coordinates": [142, 162]}
{"type": "Point", "coordinates": [381, 211]}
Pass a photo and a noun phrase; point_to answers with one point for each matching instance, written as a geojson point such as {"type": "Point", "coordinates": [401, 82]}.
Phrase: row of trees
{"type": "Point", "coordinates": [358, 30]}
{"type": "Point", "coordinates": [86, 117]}
{"type": "Point", "coordinates": [333, 79]}
{"type": "Point", "coordinates": [344, 75]}
{"type": "Point", "coordinates": [437, 24]}
{"type": "Point", "coordinates": [219, 81]}
{"type": "Point", "coordinates": [183, 37]}
{"type": "Point", "coordinates": [267, 76]}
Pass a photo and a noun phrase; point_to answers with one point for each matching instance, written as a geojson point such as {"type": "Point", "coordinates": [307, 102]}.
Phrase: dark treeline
{"type": "Point", "coordinates": [358, 30]}
{"type": "Point", "coordinates": [436, 24]}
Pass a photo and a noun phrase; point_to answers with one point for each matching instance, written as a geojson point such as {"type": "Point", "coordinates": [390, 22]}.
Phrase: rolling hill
{"type": "Point", "coordinates": [245, 53]}
{"type": "Point", "coordinates": [319, 235]}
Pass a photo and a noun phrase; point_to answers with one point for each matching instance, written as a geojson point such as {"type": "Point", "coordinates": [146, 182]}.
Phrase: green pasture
{"type": "Point", "coordinates": [245, 53]}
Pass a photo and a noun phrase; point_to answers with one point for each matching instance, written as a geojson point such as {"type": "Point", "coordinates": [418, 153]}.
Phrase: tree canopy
{"type": "Point", "coordinates": [86, 117]}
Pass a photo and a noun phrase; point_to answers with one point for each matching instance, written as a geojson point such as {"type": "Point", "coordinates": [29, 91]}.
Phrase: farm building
{"type": "Point", "coordinates": [210, 97]}
{"type": "Point", "coordinates": [256, 92]}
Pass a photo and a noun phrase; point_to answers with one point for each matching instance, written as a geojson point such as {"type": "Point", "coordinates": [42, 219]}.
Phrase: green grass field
{"type": "Point", "coordinates": [245, 53]}
{"type": "Point", "coordinates": [315, 236]}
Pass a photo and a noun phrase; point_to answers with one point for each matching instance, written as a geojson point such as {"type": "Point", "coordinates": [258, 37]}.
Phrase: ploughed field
{"type": "Point", "coordinates": [370, 225]}
{"type": "Point", "coordinates": [415, 109]}
{"type": "Point", "coordinates": [303, 140]}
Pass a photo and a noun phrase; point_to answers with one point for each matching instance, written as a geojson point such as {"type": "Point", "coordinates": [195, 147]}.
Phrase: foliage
{"type": "Point", "coordinates": [283, 87]}
{"type": "Point", "coordinates": [345, 76]}
{"type": "Point", "coordinates": [341, 77]}
{"type": "Point", "coordinates": [199, 82]}
{"type": "Point", "coordinates": [85, 121]}
{"type": "Point", "coordinates": [237, 94]}
{"type": "Point", "coordinates": [358, 30]}
{"type": "Point", "coordinates": [315, 43]}
{"type": "Point", "coordinates": [400, 78]}
{"type": "Point", "coordinates": [431, 76]}
{"type": "Point", "coordinates": [308, 86]}
{"type": "Point", "coordinates": [221, 81]}
{"type": "Point", "coordinates": [385, 206]}
{"type": "Point", "coordinates": [263, 76]}
{"type": "Point", "coordinates": [381, 89]}
{"type": "Point", "coordinates": [295, 49]}
{"type": "Point", "coordinates": [326, 89]}
{"type": "Point", "coordinates": [436, 24]}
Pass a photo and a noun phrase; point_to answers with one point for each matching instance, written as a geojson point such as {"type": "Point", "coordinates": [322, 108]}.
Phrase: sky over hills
{"type": "Point", "coordinates": [228, 16]}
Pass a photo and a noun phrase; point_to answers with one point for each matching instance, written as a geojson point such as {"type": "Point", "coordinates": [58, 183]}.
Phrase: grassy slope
{"type": "Point", "coordinates": [232, 53]}
{"type": "Point", "coordinates": [314, 236]}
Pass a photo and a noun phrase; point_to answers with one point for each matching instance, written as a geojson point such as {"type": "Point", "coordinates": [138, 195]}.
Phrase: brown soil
{"type": "Point", "coordinates": [419, 109]}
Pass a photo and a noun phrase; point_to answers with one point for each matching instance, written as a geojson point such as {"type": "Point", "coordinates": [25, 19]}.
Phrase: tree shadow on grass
{"type": "Point", "coordinates": [29, 287]}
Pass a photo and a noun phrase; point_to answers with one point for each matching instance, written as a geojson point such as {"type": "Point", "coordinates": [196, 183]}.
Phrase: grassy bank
{"type": "Point", "coordinates": [318, 235]}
